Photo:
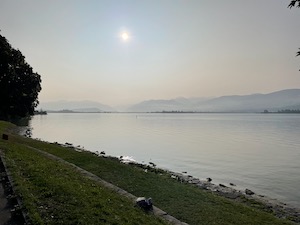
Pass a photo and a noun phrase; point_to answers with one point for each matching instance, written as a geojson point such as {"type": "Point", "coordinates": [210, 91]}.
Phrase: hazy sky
{"type": "Point", "coordinates": [176, 48]}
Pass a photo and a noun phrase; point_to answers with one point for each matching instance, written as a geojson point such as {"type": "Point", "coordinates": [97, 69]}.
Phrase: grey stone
{"type": "Point", "coordinates": [249, 192]}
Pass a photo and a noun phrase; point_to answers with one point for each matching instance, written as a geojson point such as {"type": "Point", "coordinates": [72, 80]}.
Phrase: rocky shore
{"type": "Point", "coordinates": [279, 209]}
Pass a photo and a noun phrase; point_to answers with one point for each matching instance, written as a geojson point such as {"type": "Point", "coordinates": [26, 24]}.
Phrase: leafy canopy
{"type": "Point", "coordinates": [19, 85]}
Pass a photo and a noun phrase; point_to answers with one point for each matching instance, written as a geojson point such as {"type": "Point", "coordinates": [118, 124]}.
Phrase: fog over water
{"type": "Point", "coordinates": [256, 151]}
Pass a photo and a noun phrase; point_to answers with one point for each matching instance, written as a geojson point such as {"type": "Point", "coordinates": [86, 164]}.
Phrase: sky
{"type": "Point", "coordinates": [169, 49]}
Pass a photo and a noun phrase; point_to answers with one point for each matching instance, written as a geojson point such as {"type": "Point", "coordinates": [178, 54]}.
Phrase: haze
{"type": "Point", "coordinates": [173, 48]}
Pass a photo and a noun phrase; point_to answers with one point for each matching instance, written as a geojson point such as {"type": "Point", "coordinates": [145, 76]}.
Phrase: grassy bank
{"type": "Point", "coordinates": [40, 179]}
{"type": "Point", "coordinates": [55, 193]}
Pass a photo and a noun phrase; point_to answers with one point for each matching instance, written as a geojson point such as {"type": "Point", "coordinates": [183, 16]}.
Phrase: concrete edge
{"type": "Point", "coordinates": [18, 205]}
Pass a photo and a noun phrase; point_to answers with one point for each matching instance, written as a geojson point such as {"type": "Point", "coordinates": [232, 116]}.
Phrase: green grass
{"type": "Point", "coordinates": [185, 202]}
{"type": "Point", "coordinates": [55, 193]}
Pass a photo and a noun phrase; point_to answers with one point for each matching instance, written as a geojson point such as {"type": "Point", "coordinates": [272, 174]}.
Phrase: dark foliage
{"type": "Point", "coordinates": [19, 85]}
{"type": "Point", "coordinates": [294, 3]}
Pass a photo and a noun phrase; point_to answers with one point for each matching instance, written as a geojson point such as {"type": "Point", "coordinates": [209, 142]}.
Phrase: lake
{"type": "Point", "coordinates": [260, 152]}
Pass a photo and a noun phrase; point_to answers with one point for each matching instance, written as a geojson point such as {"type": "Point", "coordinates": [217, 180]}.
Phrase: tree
{"type": "Point", "coordinates": [294, 4]}
{"type": "Point", "coordinates": [19, 85]}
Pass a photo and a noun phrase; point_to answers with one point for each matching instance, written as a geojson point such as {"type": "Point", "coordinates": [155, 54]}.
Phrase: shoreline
{"type": "Point", "coordinates": [248, 197]}
{"type": "Point", "coordinates": [177, 191]}
{"type": "Point", "coordinates": [278, 208]}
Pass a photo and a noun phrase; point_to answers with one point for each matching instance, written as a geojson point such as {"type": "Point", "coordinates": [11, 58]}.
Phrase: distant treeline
{"type": "Point", "coordinates": [289, 111]}
{"type": "Point", "coordinates": [176, 111]}
{"type": "Point", "coordinates": [285, 111]}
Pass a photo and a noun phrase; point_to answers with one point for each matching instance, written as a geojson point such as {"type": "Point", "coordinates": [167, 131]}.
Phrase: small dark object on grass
{"type": "Point", "coordinates": [28, 133]}
{"type": "Point", "coordinates": [145, 204]}
{"type": "Point", "coordinates": [4, 136]}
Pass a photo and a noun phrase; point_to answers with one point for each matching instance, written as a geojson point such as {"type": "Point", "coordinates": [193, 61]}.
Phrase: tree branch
{"type": "Point", "coordinates": [294, 4]}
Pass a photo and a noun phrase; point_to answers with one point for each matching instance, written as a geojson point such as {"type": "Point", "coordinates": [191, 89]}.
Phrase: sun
{"type": "Point", "coordinates": [125, 36]}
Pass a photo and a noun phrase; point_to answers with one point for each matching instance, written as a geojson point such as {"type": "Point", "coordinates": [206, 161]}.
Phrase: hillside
{"type": "Point", "coordinates": [273, 102]}
{"type": "Point", "coordinates": [236, 103]}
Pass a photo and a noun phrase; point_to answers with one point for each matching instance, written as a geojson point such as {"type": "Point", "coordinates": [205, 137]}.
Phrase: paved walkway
{"type": "Point", "coordinates": [5, 214]}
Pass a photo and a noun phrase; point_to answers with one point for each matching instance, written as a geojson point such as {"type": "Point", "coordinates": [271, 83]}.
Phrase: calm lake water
{"type": "Point", "coordinates": [256, 151]}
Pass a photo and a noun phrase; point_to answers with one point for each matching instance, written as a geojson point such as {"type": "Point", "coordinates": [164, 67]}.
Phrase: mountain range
{"type": "Point", "coordinates": [280, 100]}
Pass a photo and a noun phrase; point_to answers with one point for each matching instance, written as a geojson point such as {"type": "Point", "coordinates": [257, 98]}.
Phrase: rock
{"type": "Point", "coordinates": [222, 185]}
{"type": "Point", "coordinates": [231, 195]}
{"type": "Point", "coordinates": [185, 178]}
{"type": "Point", "coordinates": [208, 179]}
{"type": "Point", "coordinates": [232, 184]}
{"type": "Point", "coordinates": [203, 186]}
{"type": "Point", "coordinates": [153, 164]}
{"type": "Point", "coordinates": [249, 192]}
{"type": "Point", "coordinates": [194, 181]}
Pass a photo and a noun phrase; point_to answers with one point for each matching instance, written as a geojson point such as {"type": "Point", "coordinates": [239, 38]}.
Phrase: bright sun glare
{"type": "Point", "coordinates": [125, 36]}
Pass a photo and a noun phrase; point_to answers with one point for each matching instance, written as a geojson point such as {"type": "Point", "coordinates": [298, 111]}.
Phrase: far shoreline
{"type": "Point", "coordinates": [170, 112]}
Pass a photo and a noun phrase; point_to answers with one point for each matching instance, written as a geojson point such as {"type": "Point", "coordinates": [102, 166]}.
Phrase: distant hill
{"type": "Point", "coordinates": [285, 99]}
{"type": "Point", "coordinates": [178, 104]}
{"type": "Point", "coordinates": [75, 106]}
{"type": "Point", "coordinates": [273, 102]}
